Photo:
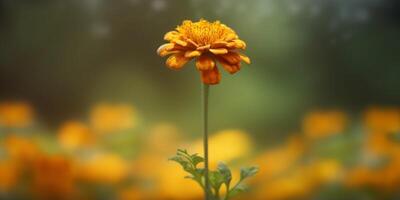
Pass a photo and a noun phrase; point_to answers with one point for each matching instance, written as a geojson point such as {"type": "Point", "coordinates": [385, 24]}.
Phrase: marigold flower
{"type": "Point", "coordinates": [208, 42]}
{"type": "Point", "coordinates": [111, 118]}
{"type": "Point", "coordinates": [74, 134]}
{"type": "Point", "coordinates": [15, 114]}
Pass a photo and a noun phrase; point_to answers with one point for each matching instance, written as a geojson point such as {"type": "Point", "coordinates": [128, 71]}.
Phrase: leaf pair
{"type": "Point", "coordinates": [218, 178]}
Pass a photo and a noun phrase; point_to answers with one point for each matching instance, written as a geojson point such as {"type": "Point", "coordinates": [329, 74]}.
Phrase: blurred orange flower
{"type": "Point", "coordinates": [295, 185]}
{"type": "Point", "coordinates": [8, 175]}
{"type": "Point", "coordinates": [276, 161]}
{"type": "Point", "coordinates": [15, 114]}
{"type": "Point", "coordinates": [21, 149]}
{"type": "Point", "coordinates": [74, 134]}
{"type": "Point", "coordinates": [319, 124]}
{"type": "Point", "coordinates": [130, 193]}
{"type": "Point", "coordinates": [382, 119]}
{"type": "Point", "coordinates": [108, 118]}
{"type": "Point", "coordinates": [53, 177]}
{"type": "Point", "coordinates": [208, 42]}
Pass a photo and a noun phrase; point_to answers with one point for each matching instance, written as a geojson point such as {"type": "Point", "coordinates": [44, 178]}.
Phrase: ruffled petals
{"type": "Point", "coordinates": [205, 63]}
{"type": "Point", "coordinates": [176, 61]}
{"type": "Point", "coordinates": [211, 77]}
{"type": "Point", "coordinates": [219, 51]}
{"type": "Point", "coordinates": [231, 68]}
{"type": "Point", "coordinates": [231, 57]}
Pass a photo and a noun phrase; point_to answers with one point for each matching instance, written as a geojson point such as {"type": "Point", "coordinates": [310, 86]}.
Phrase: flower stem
{"type": "Point", "coordinates": [205, 140]}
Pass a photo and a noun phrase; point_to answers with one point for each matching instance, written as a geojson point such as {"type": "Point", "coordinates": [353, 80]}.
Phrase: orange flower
{"type": "Point", "coordinates": [111, 118]}
{"type": "Point", "coordinates": [74, 134]}
{"type": "Point", "coordinates": [53, 177]}
{"type": "Point", "coordinates": [320, 124]}
{"type": "Point", "coordinates": [15, 114]}
{"type": "Point", "coordinates": [208, 42]}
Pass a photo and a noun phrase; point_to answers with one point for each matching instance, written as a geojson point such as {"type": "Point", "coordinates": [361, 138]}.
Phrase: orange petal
{"type": "Point", "coordinates": [231, 68]}
{"type": "Point", "coordinates": [245, 59]}
{"type": "Point", "coordinates": [192, 43]}
{"type": "Point", "coordinates": [177, 61]}
{"type": "Point", "coordinates": [202, 48]}
{"type": "Point", "coordinates": [219, 44]}
{"type": "Point", "coordinates": [211, 77]}
{"type": "Point", "coordinates": [191, 54]}
{"type": "Point", "coordinates": [231, 57]}
{"type": "Point", "coordinates": [205, 63]}
{"type": "Point", "coordinates": [218, 51]}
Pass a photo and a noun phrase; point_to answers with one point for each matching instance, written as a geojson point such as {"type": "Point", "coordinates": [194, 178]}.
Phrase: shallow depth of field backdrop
{"type": "Point", "coordinates": [89, 111]}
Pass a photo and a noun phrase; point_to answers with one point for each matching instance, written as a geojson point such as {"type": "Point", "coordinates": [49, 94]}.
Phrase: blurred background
{"type": "Point", "coordinates": [88, 110]}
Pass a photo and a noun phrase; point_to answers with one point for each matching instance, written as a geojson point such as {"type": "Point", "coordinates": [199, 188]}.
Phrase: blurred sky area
{"type": "Point", "coordinates": [65, 55]}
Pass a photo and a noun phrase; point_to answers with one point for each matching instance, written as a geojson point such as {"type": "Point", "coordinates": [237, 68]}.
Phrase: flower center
{"type": "Point", "coordinates": [204, 32]}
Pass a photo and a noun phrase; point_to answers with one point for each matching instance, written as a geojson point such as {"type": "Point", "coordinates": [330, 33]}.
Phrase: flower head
{"type": "Point", "coordinates": [207, 42]}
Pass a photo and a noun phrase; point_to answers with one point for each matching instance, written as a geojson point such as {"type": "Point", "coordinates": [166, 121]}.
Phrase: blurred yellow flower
{"type": "Point", "coordinates": [9, 175]}
{"type": "Point", "coordinates": [382, 119]}
{"type": "Point", "coordinates": [172, 185]}
{"type": "Point", "coordinates": [74, 134]}
{"type": "Point", "coordinates": [319, 124]}
{"type": "Point", "coordinates": [325, 171]}
{"type": "Point", "coordinates": [276, 161]}
{"type": "Point", "coordinates": [53, 177]}
{"type": "Point", "coordinates": [108, 118]}
{"type": "Point", "coordinates": [159, 134]}
{"type": "Point", "coordinates": [15, 114]}
{"type": "Point", "coordinates": [225, 146]}
{"type": "Point", "coordinates": [103, 168]}
{"type": "Point", "coordinates": [208, 42]}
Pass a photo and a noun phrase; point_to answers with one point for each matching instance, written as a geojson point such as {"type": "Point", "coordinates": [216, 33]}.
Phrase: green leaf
{"type": "Point", "coordinates": [225, 172]}
{"type": "Point", "coordinates": [248, 172]}
{"type": "Point", "coordinates": [236, 190]}
{"type": "Point", "coordinates": [196, 159]}
{"type": "Point", "coordinates": [216, 179]}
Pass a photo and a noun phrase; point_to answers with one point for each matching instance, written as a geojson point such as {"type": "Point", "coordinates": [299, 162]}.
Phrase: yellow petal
{"type": "Point", "coordinates": [231, 36]}
{"type": "Point", "coordinates": [171, 35]}
{"type": "Point", "coordinates": [177, 61]}
{"type": "Point", "coordinates": [166, 53]}
{"type": "Point", "coordinates": [245, 59]}
{"type": "Point", "coordinates": [205, 63]}
{"type": "Point", "coordinates": [218, 51]}
{"type": "Point", "coordinates": [211, 77]}
{"type": "Point", "coordinates": [180, 42]}
{"type": "Point", "coordinates": [240, 44]}
{"type": "Point", "coordinates": [164, 48]}
{"type": "Point", "coordinates": [191, 54]}
{"type": "Point", "coordinates": [237, 44]}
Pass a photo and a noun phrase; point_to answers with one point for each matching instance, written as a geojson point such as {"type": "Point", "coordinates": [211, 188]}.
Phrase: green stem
{"type": "Point", "coordinates": [205, 140]}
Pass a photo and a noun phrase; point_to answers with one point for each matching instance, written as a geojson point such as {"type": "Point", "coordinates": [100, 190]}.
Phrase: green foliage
{"type": "Point", "coordinates": [222, 176]}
